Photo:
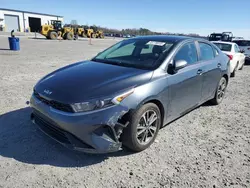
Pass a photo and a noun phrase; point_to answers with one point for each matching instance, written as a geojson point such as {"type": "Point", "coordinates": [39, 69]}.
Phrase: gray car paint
{"type": "Point", "coordinates": [177, 93]}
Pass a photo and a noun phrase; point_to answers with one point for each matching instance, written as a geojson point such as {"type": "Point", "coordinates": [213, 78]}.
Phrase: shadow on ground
{"type": "Point", "coordinates": [7, 49]}
{"type": "Point", "coordinates": [23, 141]}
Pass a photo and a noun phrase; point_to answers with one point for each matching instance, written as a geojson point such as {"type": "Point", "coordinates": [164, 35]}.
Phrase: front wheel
{"type": "Point", "coordinates": [143, 128]}
{"type": "Point", "coordinates": [220, 92]}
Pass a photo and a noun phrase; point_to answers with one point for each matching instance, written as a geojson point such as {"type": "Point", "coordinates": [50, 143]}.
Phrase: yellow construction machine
{"type": "Point", "coordinates": [55, 30]}
{"type": "Point", "coordinates": [99, 34]}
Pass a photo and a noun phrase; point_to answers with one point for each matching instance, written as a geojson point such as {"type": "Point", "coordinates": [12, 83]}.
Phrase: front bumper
{"type": "Point", "coordinates": [91, 132]}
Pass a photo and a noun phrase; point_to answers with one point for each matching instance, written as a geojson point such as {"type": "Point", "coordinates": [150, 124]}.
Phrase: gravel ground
{"type": "Point", "coordinates": [209, 147]}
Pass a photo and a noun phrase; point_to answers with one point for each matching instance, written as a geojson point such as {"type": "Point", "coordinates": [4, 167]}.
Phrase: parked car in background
{"type": "Point", "coordinates": [244, 45]}
{"type": "Point", "coordinates": [125, 94]}
{"type": "Point", "coordinates": [236, 56]}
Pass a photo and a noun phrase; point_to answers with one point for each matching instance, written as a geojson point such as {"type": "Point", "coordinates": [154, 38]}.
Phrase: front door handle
{"type": "Point", "coordinates": [199, 72]}
{"type": "Point", "coordinates": [219, 65]}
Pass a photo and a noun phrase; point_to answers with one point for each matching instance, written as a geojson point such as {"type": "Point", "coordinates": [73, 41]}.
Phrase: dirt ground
{"type": "Point", "coordinates": [209, 147]}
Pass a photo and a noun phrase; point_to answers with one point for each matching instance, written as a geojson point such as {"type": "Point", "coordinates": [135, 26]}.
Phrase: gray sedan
{"type": "Point", "coordinates": [124, 95]}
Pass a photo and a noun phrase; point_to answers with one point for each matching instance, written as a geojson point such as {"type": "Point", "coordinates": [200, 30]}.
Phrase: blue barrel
{"type": "Point", "coordinates": [14, 43]}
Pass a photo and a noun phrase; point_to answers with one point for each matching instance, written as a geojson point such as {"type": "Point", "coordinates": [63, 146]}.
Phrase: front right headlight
{"type": "Point", "coordinates": [91, 105]}
{"type": "Point", "coordinates": [100, 103]}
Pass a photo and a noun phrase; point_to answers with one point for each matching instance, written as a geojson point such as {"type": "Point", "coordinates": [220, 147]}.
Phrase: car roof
{"type": "Point", "coordinates": [222, 42]}
{"type": "Point", "coordinates": [169, 38]}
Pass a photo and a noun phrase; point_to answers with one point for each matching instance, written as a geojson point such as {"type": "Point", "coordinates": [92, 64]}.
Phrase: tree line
{"type": "Point", "coordinates": [133, 31]}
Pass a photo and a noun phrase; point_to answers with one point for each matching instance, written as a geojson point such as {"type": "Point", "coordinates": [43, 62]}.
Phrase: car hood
{"type": "Point", "coordinates": [88, 80]}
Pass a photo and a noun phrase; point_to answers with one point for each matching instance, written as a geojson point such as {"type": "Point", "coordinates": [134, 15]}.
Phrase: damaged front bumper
{"type": "Point", "coordinates": [91, 132]}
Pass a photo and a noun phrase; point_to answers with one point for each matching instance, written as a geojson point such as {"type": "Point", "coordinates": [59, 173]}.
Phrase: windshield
{"type": "Point", "coordinates": [224, 47]}
{"type": "Point", "coordinates": [137, 53]}
{"type": "Point", "coordinates": [242, 42]}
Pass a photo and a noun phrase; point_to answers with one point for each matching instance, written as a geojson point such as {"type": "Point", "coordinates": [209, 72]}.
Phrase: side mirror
{"type": "Point", "coordinates": [242, 51]}
{"type": "Point", "coordinates": [180, 64]}
{"type": "Point", "coordinates": [173, 67]}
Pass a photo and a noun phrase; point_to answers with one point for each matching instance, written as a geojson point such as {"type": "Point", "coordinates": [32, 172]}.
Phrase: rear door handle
{"type": "Point", "coordinates": [219, 65]}
{"type": "Point", "coordinates": [199, 72]}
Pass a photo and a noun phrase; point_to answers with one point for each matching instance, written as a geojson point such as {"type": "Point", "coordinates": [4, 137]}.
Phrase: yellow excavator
{"type": "Point", "coordinates": [54, 30]}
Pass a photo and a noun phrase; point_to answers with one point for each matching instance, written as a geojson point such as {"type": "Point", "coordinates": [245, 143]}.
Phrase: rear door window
{"type": "Point", "coordinates": [206, 50]}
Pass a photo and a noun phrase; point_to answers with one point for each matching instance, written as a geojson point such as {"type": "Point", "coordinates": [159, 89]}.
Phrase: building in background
{"type": "Point", "coordinates": [24, 21]}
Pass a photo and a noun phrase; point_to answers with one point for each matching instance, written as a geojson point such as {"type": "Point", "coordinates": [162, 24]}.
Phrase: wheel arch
{"type": "Point", "coordinates": [226, 77]}
{"type": "Point", "coordinates": [160, 106]}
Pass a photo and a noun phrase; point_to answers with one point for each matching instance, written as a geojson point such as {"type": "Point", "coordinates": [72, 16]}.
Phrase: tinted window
{"type": "Point", "coordinates": [188, 53]}
{"type": "Point", "coordinates": [206, 50]}
{"type": "Point", "coordinates": [224, 46]}
{"type": "Point", "coordinates": [242, 42]}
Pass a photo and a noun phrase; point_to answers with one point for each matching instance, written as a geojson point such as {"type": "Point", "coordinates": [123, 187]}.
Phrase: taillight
{"type": "Point", "coordinates": [230, 57]}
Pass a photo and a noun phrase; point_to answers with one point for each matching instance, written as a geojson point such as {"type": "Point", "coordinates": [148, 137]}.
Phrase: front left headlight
{"type": "Point", "coordinates": [100, 103]}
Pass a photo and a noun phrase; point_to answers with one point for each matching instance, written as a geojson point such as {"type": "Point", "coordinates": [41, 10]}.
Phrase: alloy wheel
{"type": "Point", "coordinates": [147, 127]}
{"type": "Point", "coordinates": [221, 89]}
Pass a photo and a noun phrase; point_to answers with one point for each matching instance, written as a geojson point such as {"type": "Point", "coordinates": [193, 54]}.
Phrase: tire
{"type": "Point", "coordinates": [69, 36]}
{"type": "Point", "coordinates": [53, 35]}
{"type": "Point", "coordinates": [147, 133]}
{"type": "Point", "coordinates": [220, 92]}
{"type": "Point", "coordinates": [83, 34]}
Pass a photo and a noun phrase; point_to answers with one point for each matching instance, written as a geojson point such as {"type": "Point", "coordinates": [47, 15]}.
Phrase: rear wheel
{"type": "Point", "coordinates": [143, 128]}
{"type": "Point", "coordinates": [53, 35]}
{"type": "Point", "coordinates": [220, 92]}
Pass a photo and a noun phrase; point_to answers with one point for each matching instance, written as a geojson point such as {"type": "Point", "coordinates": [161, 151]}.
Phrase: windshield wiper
{"type": "Point", "coordinates": [119, 63]}
{"type": "Point", "coordinates": [107, 61]}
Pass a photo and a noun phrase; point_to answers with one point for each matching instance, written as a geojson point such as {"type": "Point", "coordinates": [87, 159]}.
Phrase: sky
{"type": "Point", "coordinates": [180, 16]}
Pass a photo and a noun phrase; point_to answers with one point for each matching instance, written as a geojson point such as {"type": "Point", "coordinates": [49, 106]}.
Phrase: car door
{"type": "Point", "coordinates": [211, 69]}
{"type": "Point", "coordinates": [185, 85]}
